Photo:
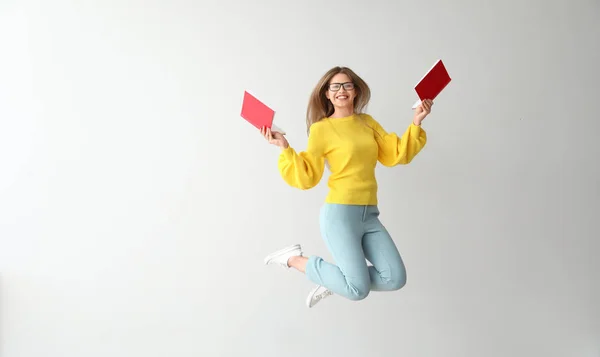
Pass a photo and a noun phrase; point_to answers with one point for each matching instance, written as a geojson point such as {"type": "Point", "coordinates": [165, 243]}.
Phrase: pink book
{"type": "Point", "coordinates": [258, 113]}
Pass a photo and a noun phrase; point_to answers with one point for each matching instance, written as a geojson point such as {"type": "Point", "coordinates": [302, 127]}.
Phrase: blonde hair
{"type": "Point", "coordinates": [319, 107]}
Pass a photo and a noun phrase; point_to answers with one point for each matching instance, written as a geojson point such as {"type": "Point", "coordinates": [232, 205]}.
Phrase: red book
{"type": "Point", "coordinates": [257, 113]}
{"type": "Point", "coordinates": [432, 83]}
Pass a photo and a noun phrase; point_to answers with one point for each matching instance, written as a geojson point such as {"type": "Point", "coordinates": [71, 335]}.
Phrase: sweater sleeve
{"type": "Point", "coordinates": [395, 150]}
{"type": "Point", "coordinates": [304, 169]}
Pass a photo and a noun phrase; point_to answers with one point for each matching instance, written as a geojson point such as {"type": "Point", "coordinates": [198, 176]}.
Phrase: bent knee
{"type": "Point", "coordinates": [358, 293]}
{"type": "Point", "coordinates": [396, 282]}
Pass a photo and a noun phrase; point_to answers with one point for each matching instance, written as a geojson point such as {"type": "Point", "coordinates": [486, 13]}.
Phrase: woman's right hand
{"type": "Point", "coordinates": [275, 138]}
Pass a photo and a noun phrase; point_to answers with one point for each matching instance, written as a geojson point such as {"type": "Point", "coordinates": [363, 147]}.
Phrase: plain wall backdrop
{"type": "Point", "coordinates": [136, 206]}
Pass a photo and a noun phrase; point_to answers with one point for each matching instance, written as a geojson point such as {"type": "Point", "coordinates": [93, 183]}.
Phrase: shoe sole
{"type": "Point", "coordinates": [282, 251]}
{"type": "Point", "coordinates": [310, 296]}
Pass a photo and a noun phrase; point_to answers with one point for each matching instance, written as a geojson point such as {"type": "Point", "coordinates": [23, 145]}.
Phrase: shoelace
{"type": "Point", "coordinates": [323, 295]}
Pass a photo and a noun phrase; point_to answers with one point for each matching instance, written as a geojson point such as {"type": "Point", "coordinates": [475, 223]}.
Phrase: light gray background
{"type": "Point", "coordinates": [136, 205]}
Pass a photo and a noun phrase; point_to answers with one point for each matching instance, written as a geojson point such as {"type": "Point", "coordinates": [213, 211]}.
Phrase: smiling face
{"type": "Point", "coordinates": [341, 91]}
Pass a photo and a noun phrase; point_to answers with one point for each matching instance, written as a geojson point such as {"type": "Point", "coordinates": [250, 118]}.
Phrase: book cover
{"type": "Point", "coordinates": [432, 83]}
{"type": "Point", "coordinates": [258, 113]}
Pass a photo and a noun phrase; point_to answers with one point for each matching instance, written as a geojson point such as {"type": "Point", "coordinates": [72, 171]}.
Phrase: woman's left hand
{"type": "Point", "coordinates": [422, 111]}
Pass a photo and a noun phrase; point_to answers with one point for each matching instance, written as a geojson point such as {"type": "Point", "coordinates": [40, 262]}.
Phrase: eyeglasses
{"type": "Point", "coordinates": [334, 87]}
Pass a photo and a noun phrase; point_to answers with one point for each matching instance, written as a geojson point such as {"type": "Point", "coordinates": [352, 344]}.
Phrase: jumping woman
{"type": "Point", "coordinates": [350, 143]}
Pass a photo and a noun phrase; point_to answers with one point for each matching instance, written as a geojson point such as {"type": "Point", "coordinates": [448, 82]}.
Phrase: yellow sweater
{"type": "Point", "coordinates": [352, 150]}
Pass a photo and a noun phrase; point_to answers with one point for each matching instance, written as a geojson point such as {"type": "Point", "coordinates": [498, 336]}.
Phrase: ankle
{"type": "Point", "coordinates": [298, 263]}
{"type": "Point", "coordinates": [292, 260]}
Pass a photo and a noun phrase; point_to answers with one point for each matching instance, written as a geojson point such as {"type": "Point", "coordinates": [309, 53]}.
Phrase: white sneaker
{"type": "Point", "coordinates": [317, 294]}
{"type": "Point", "coordinates": [282, 256]}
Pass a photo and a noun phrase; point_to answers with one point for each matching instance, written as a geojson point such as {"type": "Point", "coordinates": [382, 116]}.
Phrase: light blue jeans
{"type": "Point", "coordinates": [353, 233]}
